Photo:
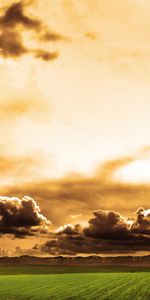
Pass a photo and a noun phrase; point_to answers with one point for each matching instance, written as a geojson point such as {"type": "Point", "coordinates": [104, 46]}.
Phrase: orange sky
{"type": "Point", "coordinates": [67, 115]}
{"type": "Point", "coordinates": [92, 103]}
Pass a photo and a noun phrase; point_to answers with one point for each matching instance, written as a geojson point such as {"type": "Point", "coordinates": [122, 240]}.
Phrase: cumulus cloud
{"type": "Point", "coordinates": [69, 229]}
{"type": "Point", "coordinates": [21, 217]}
{"type": "Point", "coordinates": [107, 224]}
{"type": "Point", "coordinates": [13, 22]}
{"type": "Point", "coordinates": [111, 225]}
{"type": "Point", "coordinates": [142, 224]}
{"type": "Point", "coordinates": [107, 232]}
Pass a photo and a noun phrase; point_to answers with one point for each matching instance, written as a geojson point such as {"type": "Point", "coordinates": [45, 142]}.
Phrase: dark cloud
{"type": "Point", "coordinates": [107, 224]}
{"type": "Point", "coordinates": [107, 232]}
{"type": "Point", "coordinates": [14, 16]}
{"type": "Point", "coordinates": [11, 44]}
{"type": "Point", "coordinates": [111, 225]}
{"type": "Point", "coordinates": [142, 224]}
{"type": "Point", "coordinates": [45, 55]}
{"type": "Point", "coordinates": [13, 22]}
{"type": "Point", "coordinates": [21, 217]}
{"type": "Point", "coordinates": [51, 36]}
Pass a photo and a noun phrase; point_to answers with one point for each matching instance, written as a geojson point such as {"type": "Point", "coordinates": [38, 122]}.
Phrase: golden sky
{"type": "Point", "coordinates": [74, 109]}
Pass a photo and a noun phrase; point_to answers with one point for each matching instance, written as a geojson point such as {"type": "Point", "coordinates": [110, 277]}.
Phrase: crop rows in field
{"type": "Point", "coordinates": [103, 286]}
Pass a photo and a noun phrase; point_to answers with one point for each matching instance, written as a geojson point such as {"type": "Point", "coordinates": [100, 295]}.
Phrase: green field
{"type": "Point", "coordinates": [43, 283]}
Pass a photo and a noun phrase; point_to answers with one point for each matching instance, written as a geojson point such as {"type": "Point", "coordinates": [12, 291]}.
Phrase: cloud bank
{"type": "Point", "coordinates": [107, 232]}
{"type": "Point", "coordinates": [80, 194]}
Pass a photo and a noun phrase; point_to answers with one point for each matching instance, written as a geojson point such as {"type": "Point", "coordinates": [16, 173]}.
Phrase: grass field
{"type": "Point", "coordinates": [45, 283]}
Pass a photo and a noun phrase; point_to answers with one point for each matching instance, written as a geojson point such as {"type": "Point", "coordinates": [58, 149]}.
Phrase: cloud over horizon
{"type": "Point", "coordinates": [75, 195]}
{"type": "Point", "coordinates": [107, 232]}
{"type": "Point", "coordinates": [21, 217]}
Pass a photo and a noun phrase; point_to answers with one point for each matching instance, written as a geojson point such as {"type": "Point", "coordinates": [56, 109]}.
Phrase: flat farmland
{"type": "Point", "coordinates": [45, 283]}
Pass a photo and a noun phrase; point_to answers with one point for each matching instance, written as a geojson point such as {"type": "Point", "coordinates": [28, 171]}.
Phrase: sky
{"type": "Point", "coordinates": [74, 134]}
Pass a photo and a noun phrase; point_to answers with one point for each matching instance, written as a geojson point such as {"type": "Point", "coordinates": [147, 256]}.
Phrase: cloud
{"type": "Point", "coordinates": [69, 229]}
{"type": "Point", "coordinates": [111, 225]}
{"type": "Point", "coordinates": [11, 44]}
{"type": "Point", "coordinates": [13, 23]}
{"type": "Point", "coordinates": [21, 217]}
{"type": "Point", "coordinates": [45, 55]}
{"type": "Point", "coordinates": [51, 36]}
{"type": "Point", "coordinates": [80, 195]}
{"type": "Point", "coordinates": [107, 224]}
{"type": "Point", "coordinates": [4, 252]}
{"type": "Point", "coordinates": [107, 170]}
{"type": "Point", "coordinates": [19, 106]}
{"type": "Point", "coordinates": [107, 232]}
{"type": "Point", "coordinates": [142, 224]}
{"type": "Point", "coordinates": [21, 166]}
{"type": "Point", "coordinates": [91, 36]}
{"type": "Point", "coordinates": [14, 16]}
{"type": "Point", "coordinates": [68, 197]}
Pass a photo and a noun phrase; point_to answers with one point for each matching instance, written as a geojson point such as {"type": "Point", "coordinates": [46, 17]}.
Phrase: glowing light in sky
{"type": "Point", "coordinates": [136, 172]}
